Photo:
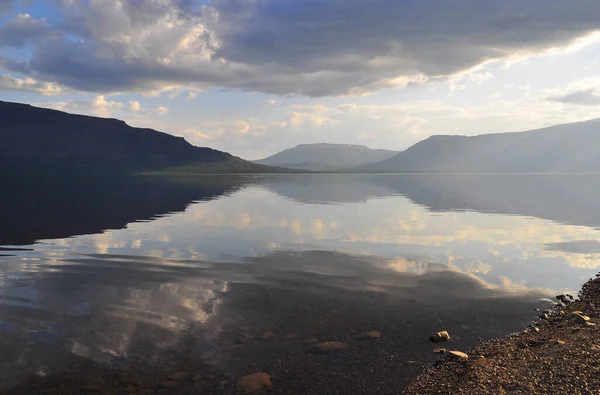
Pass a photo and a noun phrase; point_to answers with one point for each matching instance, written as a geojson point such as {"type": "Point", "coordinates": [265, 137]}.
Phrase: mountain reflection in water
{"type": "Point", "coordinates": [176, 278]}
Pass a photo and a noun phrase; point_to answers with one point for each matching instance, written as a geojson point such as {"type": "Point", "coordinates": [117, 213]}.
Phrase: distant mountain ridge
{"type": "Point", "coordinates": [566, 148]}
{"type": "Point", "coordinates": [37, 139]}
{"type": "Point", "coordinates": [326, 157]}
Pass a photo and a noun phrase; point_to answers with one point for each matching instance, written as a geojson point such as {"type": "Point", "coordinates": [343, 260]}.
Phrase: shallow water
{"type": "Point", "coordinates": [182, 275]}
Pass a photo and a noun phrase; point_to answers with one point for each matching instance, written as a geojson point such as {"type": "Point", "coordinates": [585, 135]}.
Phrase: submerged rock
{"type": "Point", "coordinates": [369, 335]}
{"type": "Point", "coordinates": [439, 337]}
{"type": "Point", "coordinates": [580, 318]}
{"type": "Point", "coordinates": [269, 335]}
{"type": "Point", "coordinates": [254, 382]}
{"type": "Point", "coordinates": [329, 347]}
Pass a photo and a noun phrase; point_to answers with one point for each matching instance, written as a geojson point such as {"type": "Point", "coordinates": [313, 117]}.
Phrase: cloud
{"type": "Point", "coordinates": [8, 5]}
{"type": "Point", "coordinates": [22, 29]}
{"type": "Point", "coordinates": [305, 47]}
{"type": "Point", "coordinates": [298, 119]}
{"type": "Point", "coordinates": [581, 92]}
{"type": "Point", "coordinates": [134, 106]}
{"type": "Point", "coordinates": [271, 102]}
{"type": "Point", "coordinates": [10, 83]}
{"type": "Point", "coordinates": [102, 107]}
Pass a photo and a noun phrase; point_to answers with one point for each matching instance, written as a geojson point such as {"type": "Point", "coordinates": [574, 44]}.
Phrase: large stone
{"type": "Point", "coordinates": [439, 337]}
{"type": "Point", "coordinates": [253, 383]}
{"type": "Point", "coordinates": [329, 347]}
{"type": "Point", "coordinates": [457, 355]}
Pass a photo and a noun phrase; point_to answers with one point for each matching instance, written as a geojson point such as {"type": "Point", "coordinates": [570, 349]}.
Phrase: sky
{"type": "Point", "coordinates": [254, 77]}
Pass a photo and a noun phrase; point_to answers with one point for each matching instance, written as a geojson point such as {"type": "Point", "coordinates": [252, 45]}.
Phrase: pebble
{"type": "Point", "coordinates": [369, 335]}
{"type": "Point", "coordinates": [312, 340]}
{"type": "Point", "coordinates": [457, 355]}
{"type": "Point", "coordinates": [329, 347]}
{"type": "Point", "coordinates": [268, 336]}
{"type": "Point", "coordinates": [168, 384]}
{"type": "Point", "coordinates": [439, 337]}
{"type": "Point", "coordinates": [560, 342]}
{"type": "Point", "coordinates": [254, 382]}
{"type": "Point", "coordinates": [439, 350]}
{"type": "Point", "coordinates": [179, 375]}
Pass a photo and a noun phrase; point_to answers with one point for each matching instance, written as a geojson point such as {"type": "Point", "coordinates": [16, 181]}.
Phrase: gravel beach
{"type": "Point", "coordinates": [559, 355]}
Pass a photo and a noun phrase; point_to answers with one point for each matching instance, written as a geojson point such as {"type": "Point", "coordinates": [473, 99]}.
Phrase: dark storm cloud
{"type": "Point", "coordinates": [309, 47]}
{"type": "Point", "coordinates": [22, 29]}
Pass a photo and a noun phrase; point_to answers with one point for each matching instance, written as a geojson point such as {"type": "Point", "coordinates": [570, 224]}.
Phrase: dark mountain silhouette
{"type": "Point", "coordinates": [326, 157]}
{"type": "Point", "coordinates": [57, 207]}
{"type": "Point", "coordinates": [41, 140]}
{"type": "Point", "coordinates": [568, 148]}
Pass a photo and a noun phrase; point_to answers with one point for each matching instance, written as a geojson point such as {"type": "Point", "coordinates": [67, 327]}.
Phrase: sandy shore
{"type": "Point", "coordinates": [560, 355]}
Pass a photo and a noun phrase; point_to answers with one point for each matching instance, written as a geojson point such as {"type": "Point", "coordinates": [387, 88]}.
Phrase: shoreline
{"type": "Point", "coordinates": [560, 354]}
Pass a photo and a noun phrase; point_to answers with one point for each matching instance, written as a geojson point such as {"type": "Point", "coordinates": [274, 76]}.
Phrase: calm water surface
{"type": "Point", "coordinates": [180, 276]}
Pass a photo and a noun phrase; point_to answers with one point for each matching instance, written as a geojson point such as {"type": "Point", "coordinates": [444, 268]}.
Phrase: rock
{"type": "Point", "coordinates": [580, 318]}
{"type": "Point", "coordinates": [457, 355]}
{"type": "Point", "coordinates": [371, 335]}
{"type": "Point", "coordinates": [438, 350]}
{"type": "Point", "coordinates": [578, 312]}
{"type": "Point", "coordinates": [312, 340]}
{"type": "Point", "coordinates": [439, 337]}
{"type": "Point", "coordinates": [178, 375]}
{"type": "Point", "coordinates": [329, 347]}
{"type": "Point", "coordinates": [292, 336]}
{"type": "Point", "coordinates": [268, 336]}
{"type": "Point", "coordinates": [560, 342]}
{"type": "Point", "coordinates": [242, 339]}
{"type": "Point", "coordinates": [590, 324]}
{"type": "Point", "coordinates": [168, 384]}
{"type": "Point", "coordinates": [544, 316]}
{"type": "Point", "coordinates": [254, 382]}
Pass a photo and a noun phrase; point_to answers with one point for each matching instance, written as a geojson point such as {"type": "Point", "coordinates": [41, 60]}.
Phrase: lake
{"type": "Point", "coordinates": [187, 283]}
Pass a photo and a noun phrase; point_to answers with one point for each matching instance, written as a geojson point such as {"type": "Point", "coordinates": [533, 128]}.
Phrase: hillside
{"type": "Point", "coordinates": [567, 148]}
{"type": "Point", "coordinates": [41, 140]}
{"type": "Point", "coordinates": [326, 157]}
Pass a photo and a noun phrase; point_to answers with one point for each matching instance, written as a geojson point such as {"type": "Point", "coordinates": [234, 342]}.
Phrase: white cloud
{"type": "Point", "coordinates": [580, 92]}
{"type": "Point", "coordinates": [10, 83]}
{"type": "Point", "coordinates": [298, 119]}
{"type": "Point", "coordinates": [134, 106]}
{"type": "Point", "coordinates": [101, 107]}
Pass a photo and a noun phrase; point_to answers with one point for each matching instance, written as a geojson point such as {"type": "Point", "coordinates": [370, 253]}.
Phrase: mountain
{"type": "Point", "coordinates": [41, 140]}
{"type": "Point", "coordinates": [567, 148]}
{"type": "Point", "coordinates": [326, 157]}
